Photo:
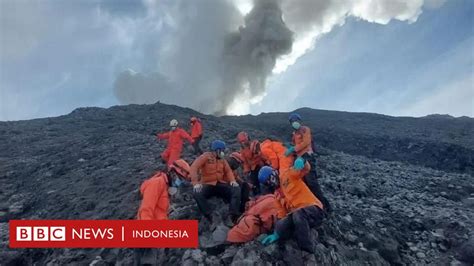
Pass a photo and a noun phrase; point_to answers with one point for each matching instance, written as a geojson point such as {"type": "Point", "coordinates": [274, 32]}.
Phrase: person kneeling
{"type": "Point", "coordinates": [155, 203]}
{"type": "Point", "coordinates": [305, 210]}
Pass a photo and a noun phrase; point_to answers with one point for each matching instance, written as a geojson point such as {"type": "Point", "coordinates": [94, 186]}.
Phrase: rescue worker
{"type": "Point", "coordinates": [196, 134]}
{"type": "Point", "coordinates": [303, 146]}
{"type": "Point", "coordinates": [260, 213]}
{"type": "Point", "coordinates": [211, 176]}
{"type": "Point", "coordinates": [251, 161]}
{"type": "Point", "coordinates": [273, 154]}
{"type": "Point", "coordinates": [305, 210]}
{"type": "Point", "coordinates": [155, 203]}
{"type": "Point", "coordinates": [235, 161]}
{"type": "Point", "coordinates": [155, 193]}
{"type": "Point", "coordinates": [175, 137]}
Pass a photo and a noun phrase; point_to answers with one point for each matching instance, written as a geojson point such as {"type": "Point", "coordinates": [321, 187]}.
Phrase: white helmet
{"type": "Point", "coordinates": [174, 123]}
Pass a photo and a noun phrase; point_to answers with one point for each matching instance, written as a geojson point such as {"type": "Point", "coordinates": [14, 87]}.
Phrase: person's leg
{"type": "Point", "coordinates": [314, 186]}
{"type": "Point", "coordinates": [196, 146]}
{"type": "Point", "coordinates": [201, 199]}
{"type": "Point", "coordinates": [230, 194]}
{"type": "Point", "coordinates": [174, 154]}
{"type": "Point", "coordinates": [165, 156]}
{"type": "Point", "coordinates": [285, 227]}
{"type": "Point", "coordinates": [304, 219]}
{"type": "Point", "coordinates": [311, 180]}
{"type": "Point", "coordinates": [244, 195]}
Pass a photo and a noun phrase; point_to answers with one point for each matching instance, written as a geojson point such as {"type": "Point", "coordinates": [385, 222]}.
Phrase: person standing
{"type": "Point", "coordinates": [155, 193]}
{"type": "Point", "coordinates": [196, 134]}
{"type": "Point", "coordinates": [305, 210]}
{"type": "Point", "coordinates": [303, 146]}
{"type": "Point", "coordinates": [175, 137]}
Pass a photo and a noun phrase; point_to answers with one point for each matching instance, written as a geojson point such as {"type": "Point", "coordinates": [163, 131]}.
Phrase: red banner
{"type": "Point", "coordinates": [103, 234]}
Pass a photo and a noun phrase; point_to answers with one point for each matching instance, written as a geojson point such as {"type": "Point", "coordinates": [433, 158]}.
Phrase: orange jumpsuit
{"type": "Point", "coordinates": [273, 152]}
{"type": "Point", "coordinates": [296, 192]}
{"type": "Point", "coordinates": [305, 210]}
{"type": "Point", "coordinates": [175, 144]}
{"type": "Point", "coordinates": [196, 129]}
{"type": "Point", "coordinates": [260, 217]}
{"type": "Point", "coordinates": [211, 170]}
{"type": "Point", "coordinates": [155, 202]}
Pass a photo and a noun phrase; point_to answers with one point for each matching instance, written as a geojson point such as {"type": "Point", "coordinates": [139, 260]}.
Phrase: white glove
{"type": "Point", "coordinates": [197, 188]}
{"type": "Point", "coordinates": [234, 184]}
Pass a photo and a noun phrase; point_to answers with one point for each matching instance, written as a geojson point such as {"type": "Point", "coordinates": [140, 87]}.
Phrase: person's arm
{"type": "Point", "coordinates": [306, 169]}
{"type": "Point", "coordinates": [195, 166]}
{"type": "Point", "coordinates": [300, 174]}
{"type": "Point", "coordinates": [306, 140]}
{"type": "Point", "coordinates": [186, 136]}
{"type": "Point", "coordinates": [165, 135]}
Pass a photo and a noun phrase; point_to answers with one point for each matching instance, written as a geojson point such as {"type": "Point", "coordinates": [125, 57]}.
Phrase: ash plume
{"type": "Point", "coordinates": [208, 55]}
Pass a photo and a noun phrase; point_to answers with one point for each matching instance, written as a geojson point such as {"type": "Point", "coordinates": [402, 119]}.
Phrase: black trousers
{"type": "Point", "coordinates": [244, 195]}
{"type": "Point", "coordinates": [298, 225]}
{"type": "Point", "coordinates": [224, 191]}
{"type": "Point", "coordinates": [311, 180]}
{"type": "Point", "coordinates": [196, 147]}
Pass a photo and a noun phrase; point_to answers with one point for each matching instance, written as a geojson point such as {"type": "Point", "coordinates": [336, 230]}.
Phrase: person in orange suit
{"type": "Point", "coordinates": [175, 137]}
{"type": "Point", "coordinates": [304, 208]}
{"type": "Point", "coordinates": [196, 134]}
{"type": "Point", "coordinates": [272, 153]}
{"type": "Point", "coordinates": [303, 146]}
{"type": "Point", "coordinates": [154, 191]}
{"type": "Point", "coordinates": [261, 213]}
{"type": "Point", "coordinates": [212, 176]}
{"type": "Point", "coordinates": [251, 161]}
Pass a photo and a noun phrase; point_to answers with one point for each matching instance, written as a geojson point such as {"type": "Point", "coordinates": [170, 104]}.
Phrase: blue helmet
{"type": "Point", "coordinates": [264, 174]}
{"type": "Point", "coordinates": [217, 145]}
{"type": "Point", "coordinates": [294, 117]}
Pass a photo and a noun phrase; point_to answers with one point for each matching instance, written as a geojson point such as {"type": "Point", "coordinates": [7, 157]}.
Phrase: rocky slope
{"type": "Point", "coordinates": [402, 188]}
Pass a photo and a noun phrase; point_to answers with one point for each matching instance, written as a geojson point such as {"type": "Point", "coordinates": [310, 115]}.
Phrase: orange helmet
{"type": "Point", "coordinates": [181, 167]}
{"type": "Point", "coordinates": [255, 147]}
{"type": "Point", "coordinates": [237, 156]}
{"type": "Point", "coordinates": [242, 137]}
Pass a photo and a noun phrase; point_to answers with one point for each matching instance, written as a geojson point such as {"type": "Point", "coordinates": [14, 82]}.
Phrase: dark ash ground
{"type": "Point", "coordinates": [402, 188]}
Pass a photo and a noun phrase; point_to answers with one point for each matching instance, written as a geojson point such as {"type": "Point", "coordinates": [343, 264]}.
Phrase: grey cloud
{"type": "Point", "coordinates": [132, 87]}
{"type": "Point", "coordinates": [213, 59]}
{"type": "Point", "coordinates": [214, 55]}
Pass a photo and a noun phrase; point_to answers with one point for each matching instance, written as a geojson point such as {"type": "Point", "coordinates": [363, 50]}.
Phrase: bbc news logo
{"type": "Point", "coordinates": [40, 233]}
{"type": "Point", "coordinates": [103, 234]}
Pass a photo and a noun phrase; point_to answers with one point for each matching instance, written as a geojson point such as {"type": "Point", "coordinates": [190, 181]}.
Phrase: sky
{"type": "Point", "coordinates": [395, 57]}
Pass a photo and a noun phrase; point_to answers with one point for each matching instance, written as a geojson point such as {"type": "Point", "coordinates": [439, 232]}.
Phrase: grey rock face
{"type": "Point", "coordinates": [401, 188]}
